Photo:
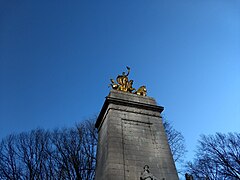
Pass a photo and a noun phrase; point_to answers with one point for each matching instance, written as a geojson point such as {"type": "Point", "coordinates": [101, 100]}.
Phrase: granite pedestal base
{"type": "Point", "coordinates": [131, 135]}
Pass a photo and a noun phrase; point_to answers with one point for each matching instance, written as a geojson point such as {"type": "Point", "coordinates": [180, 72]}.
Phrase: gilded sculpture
{"type": "Point", "coordinates": [123, 84]}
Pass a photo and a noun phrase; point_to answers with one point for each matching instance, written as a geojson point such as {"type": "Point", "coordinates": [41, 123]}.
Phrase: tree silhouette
{"type": "Point", "coordinates": [217, 157]}
{"type": "Point", "coordinates": [67, 153]}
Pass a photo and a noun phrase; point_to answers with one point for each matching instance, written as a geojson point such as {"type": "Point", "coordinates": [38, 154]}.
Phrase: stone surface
{"type": "Point", "coordinates": [131, 135]}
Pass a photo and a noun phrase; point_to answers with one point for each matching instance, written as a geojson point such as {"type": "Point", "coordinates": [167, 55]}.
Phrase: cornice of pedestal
{"type": "Point", "coordinates": [128, 100]}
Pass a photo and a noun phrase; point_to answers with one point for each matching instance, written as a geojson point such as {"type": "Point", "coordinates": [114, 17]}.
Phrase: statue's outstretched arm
{"type": "Point", "coordinates": [112, 81]}
{"type": "Point", "coordinates": [128, 68]}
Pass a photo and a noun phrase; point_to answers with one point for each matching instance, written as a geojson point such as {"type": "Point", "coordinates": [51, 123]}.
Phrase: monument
{"type": "Point", "coordinates": [132, 144]}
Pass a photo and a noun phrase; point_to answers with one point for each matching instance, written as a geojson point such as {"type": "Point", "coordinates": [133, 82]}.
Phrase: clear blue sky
{"type": "Point", "coordinates": [56, 59]}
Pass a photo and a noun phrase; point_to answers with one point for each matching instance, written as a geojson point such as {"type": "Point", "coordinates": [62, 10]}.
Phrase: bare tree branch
{"type": "Point", "coordinates": [217, 157]}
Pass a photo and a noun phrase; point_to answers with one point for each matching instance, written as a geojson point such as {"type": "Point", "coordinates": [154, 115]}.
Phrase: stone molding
{"type": "Point", "coordinates": [115, 97]}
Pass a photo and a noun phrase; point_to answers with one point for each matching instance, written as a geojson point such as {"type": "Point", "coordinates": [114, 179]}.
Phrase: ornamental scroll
{"type": "Point", "coordinates": [123, 84]}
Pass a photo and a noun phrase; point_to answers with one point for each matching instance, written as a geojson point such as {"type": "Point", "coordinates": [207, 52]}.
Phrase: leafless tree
{"type": "Point", "coordinates": [217, 157]}
{"type": "Point", "coordinates": [61, 154]}
{"type": "Point", "coordinates": [75, 151]}
{"type": "Point", "coordinates": [23, 156]}
{"type": "Point", "coordinates": [9, 164]}
{"type": "Point", "coordinates": [31, 152]}
{"type": "Point", "coordinates": [90, 141]}
{"type": "Point", "coordinates": [176, 142]}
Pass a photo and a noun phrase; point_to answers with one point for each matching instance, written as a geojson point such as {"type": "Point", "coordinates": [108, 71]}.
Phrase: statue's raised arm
{"type": "Point", "coordinates": [128, 68]}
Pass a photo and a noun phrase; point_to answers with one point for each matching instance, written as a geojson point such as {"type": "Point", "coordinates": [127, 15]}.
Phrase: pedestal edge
{"type": "Point", "coordinates": [129, 103]}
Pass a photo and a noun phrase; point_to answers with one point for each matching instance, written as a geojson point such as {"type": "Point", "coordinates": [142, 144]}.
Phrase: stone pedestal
{"type": "Point", "coordinates": [131, 135]}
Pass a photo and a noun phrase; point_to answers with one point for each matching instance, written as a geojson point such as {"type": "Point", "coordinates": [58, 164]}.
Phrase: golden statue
{"type": "Point", "coordinates": [123, 84]}
{"type": "Point", "coordinates": [129, 86]}
{"type": "Point", "coordinates": [141, 91]}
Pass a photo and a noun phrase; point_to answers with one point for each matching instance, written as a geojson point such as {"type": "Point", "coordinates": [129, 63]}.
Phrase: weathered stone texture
{"type": "Point", "coordinates": [131, 135]}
